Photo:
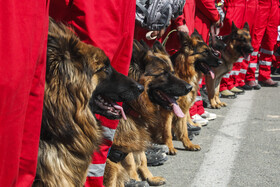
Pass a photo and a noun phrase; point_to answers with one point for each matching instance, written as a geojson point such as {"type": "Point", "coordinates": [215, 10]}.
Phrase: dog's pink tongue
{"type": "Point", "coordinates": [212, 74]}
{"type": "Point", "coordinates": [246, 57]}
{"type": "Point", "coordinates": [118, 107]}
{"type": "Point", "coordinates": [177, 110]}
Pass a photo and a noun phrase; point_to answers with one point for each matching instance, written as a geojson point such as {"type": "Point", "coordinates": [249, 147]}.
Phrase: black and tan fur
{"type": "Point", "coordinates": [193, 58]}
{"type": "Point", "coordinates": [76, 73]}
{"type": "Point", "coordinates": [237, 44]}
{"type": "Point", "coordinates": [156, 73]}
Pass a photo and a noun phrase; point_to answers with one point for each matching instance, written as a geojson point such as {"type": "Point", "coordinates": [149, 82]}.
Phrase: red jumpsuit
{"type": "Point", "coordinates": [235, 11]}
{"type": "Point", "coordinates": [206, 14]}
{"type": "Point", "coordinates": [265, 35]}
{"type": "Point", "coordinates": [108, 25]}
{"type": "Point", "coordinates": [23, 42]}
{"type": "Point", "coordinates": [250, 15]}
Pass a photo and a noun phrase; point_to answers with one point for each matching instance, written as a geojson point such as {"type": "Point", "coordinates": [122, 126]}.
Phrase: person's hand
{"type": "Point", "coordinates": [158, 34]}
{"type": "Point", "coordinates": [218, 23]}
{"type": "Point", "coordinates": [183, 28]}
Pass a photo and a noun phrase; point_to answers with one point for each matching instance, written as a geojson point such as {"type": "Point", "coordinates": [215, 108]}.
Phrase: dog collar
{"type": "Point", "coordinates": [130, 111]}
{"type": "Point", "coordinates": [116, 155]}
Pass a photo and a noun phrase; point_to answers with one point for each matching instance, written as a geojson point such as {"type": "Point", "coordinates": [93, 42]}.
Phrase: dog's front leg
{"type": "Point", "coordinates": [217, 98]}
{"type": "Point", "coordinates": [167, 132]}
{"type": "Point", "coordinates": [145, 173]}
{"type": "Point", "coordinates": [181, 131]}
{"type": "Point", "coordinates": [210, 86]}
{"type": "Point", "coordinates": [130, 166]}
{"type": "Point", "coordinates": [115, 175]}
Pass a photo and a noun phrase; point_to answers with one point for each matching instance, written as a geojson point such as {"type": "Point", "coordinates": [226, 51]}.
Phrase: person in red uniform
{"type": "Point", "coordinates": [206, 14]}
{"type": "Point", "coordinates": [235, 12]}
{"type": "Point", "coordinates": [108, 25]}
{"type": "Point", "coordinates": [23, 43]}
{"type": "Point", "coordinates": [250, 15]}
{"type": "Point", "coordinates": [263, 41]}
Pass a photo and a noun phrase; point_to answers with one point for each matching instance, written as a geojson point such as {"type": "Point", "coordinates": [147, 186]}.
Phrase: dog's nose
{"type": "Point", "coordinates": [188, 88]}
{"type": "Point", "coordinates": [220, 62]}
{"type": "Point", "coordinates": [140, 88]}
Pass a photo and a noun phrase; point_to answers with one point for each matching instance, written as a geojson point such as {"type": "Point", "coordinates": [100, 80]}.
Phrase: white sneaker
{"type": "Point", "coordinates": [198, 119]}
{"type": "Point", "coordinates": [209, 116]}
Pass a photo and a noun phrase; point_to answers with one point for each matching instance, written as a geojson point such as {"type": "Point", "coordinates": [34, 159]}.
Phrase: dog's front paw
{"type": "Point", "coordinates": [172, 151]}
{"type": "Point", "coordinates": [193, 147]}
{"type": "Point", "coordinates": [223, 104]}
{"type": "Point", "coordinates": [216, 106]}
{"type": "Point", "coordinates": [156, 181]}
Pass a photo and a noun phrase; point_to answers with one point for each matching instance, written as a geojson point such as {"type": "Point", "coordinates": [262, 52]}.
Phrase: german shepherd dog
{"type": "Point", "coordinates": [77, 73]}
{"type": "Point", "coordinates": [193, 58]}
{"type": "Point", "coordinates": [236, 44]}
{"type": "Point", "coordinates": [151, 110]}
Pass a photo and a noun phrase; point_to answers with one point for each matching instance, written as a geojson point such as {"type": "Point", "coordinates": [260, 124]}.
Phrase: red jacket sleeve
{"type": "Point", "coordinates": [207, 7]}
{"type": "Point", "coordinates": [180, 20]}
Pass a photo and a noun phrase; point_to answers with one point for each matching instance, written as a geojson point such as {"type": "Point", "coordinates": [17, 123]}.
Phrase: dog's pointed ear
{"type": "Point", "coordinates": [246, 26]}
{"type": "Point", "coordinates": [138, 51]}
{"type": "Point", "coordinates": [145, 45]}
{"type": "Point", "coordinates": [195, 34]}
{"type": "Point", "coordinates": [159, 48]}
{"type": "Point", "coordinates": [233, 27]}
{"type": "Point", "coordinates": [185, 39]}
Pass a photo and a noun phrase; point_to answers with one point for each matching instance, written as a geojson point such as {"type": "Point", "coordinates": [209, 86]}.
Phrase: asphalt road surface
{"type": "Point", "coordinates": [239, 148]}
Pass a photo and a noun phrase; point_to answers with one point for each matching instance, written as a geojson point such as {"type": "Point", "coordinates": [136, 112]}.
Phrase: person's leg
{"type": "Point", "coordinates": [23, 36]}
{"type": "Point", "coordinates": [225, 93]}
{"type": "Point", "coordinates": [258, 33]}
{"type": "Point", "coordinates": [241, 77]}
{"type": "Point", "coordinates": [233, 83]}
{"type": "Point", "coordinates": [236, 71]}
{"type": "Point", "coordinates": [268, 42]}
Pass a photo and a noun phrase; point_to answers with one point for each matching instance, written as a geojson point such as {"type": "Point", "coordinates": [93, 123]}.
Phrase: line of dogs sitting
{"type": "Point", "coordinates": [157, 96]}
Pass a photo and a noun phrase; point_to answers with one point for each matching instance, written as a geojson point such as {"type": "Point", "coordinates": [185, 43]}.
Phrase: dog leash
{"type": "Point", "coordinates": [166, 38]}
{"type": "Point", "coordinates": [214, 31]}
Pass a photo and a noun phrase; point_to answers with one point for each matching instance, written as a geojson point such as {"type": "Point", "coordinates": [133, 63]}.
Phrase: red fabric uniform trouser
{"type": "Point", "coordinates": [23, 42]}
{"type": "Point", "coordinates": [265, 34]}
{"type": "Point", "coordinates": [108, 25]}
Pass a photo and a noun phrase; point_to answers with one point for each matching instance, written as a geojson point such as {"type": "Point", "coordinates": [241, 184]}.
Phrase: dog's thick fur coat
{"type": "Point", "coordinates": [237, 44]}
{"type": "Point", "coordinates": [76, 72]}
{"type": "Point", "coordinates": [152, 114]}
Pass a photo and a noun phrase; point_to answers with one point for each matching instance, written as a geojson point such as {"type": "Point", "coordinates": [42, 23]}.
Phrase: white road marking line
{"type": "Point", "coordinates": [218, 162]}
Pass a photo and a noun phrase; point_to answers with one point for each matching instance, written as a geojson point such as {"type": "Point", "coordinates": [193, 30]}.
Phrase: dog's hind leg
{"type": "Point", "coordinates": [181, 132]}
{"type": "Point", "coordinates": [145, 173]}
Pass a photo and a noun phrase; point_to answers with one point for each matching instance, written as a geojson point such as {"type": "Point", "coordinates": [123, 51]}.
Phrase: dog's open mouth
{"type": "Point", "coordinates": [206, 69]}
{"type": "Point", "coordinates": [245, 54]}
{"type": "Point", "coordinates": [108, 108]}
{"type": "Point", "coordinates": [168, 102]}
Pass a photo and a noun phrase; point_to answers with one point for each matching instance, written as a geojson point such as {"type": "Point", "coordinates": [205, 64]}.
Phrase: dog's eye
{"type": "Point", "coordinates": [104, 68]}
